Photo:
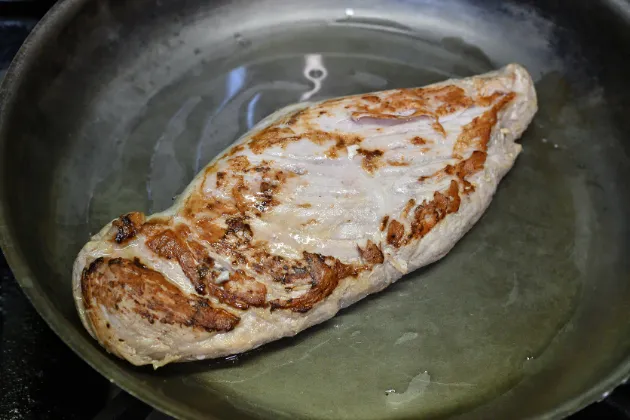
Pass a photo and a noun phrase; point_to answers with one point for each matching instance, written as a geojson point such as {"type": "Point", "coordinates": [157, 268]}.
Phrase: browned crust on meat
{"type": "Point", "coordinates": [371, 98]}
{"type": "Point", "coordinates": [124, 286]}
{"type": "Point", "coordinates": [461, 170]}
{"type": "Point", "coordinates": [211, 207]}
{"type": "Point", "coordinates": [270, 137]}
{"type": "Point", "coordinates": [371, 159]}
{"type": "Point", "coordinates": [127, 226]}
{"type": "Point", "coordinates": [167, 244]}
{"type": "Point", "coordinates": [395, 233]}
{"type": "Point", "coordinates": [428, 214]}
{"type": "Point", "coordinates": [467, 167]}
{"type": "Point", "coordinates": [477, 132]}
{"type": "Point", "coordinates": [371, 254]}
{"type": "Point", "coordinates": [239, 163]}
{"type": "Point", "coordinates": [453, 99]}
{"type": "Point", "coordinates": [325, 273]}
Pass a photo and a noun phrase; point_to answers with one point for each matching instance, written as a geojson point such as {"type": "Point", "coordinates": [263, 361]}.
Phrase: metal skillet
{"type": "Point", "coordinates": [111, 106]}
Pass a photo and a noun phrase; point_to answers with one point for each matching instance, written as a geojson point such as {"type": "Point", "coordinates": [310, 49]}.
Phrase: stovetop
{"type": "Point", "coordinates": [33, 359]}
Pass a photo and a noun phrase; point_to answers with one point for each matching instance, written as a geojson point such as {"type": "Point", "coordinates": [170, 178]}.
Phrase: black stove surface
{"type": "Point", "coordinates": [33, 360]}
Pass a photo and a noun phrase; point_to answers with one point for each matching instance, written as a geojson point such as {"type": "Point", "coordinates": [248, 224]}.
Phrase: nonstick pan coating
{"type": "Point", "coordinates": [113, 106]}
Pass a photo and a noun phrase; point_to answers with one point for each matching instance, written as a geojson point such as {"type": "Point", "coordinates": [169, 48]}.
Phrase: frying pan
{"type": "Point", "coordinates": [113, 106]}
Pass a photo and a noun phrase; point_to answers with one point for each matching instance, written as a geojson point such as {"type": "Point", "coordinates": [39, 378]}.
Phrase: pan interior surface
{"type": "Point", "coordinates": [121, 108]}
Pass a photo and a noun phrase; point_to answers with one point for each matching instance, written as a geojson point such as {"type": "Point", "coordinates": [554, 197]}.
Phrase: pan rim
{"type": "Point", "coordinates": [60, 13]}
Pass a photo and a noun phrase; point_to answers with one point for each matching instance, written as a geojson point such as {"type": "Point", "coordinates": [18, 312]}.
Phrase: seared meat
{"type": "Point", "coordinates": [318, 206]}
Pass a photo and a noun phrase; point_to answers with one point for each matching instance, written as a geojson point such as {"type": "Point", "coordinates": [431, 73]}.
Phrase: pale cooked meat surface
{"type": "Point", "coordinates": [318, 206]}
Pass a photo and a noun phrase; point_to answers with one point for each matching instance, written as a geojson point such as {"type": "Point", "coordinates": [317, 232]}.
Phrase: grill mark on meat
{"type": "Point", "coordinates": [468, 166]}
{"type": "Point", "coordinates": [452, 99]}
{"type": "Point", "coordinates": [401, 162]}
{"type": "Point", "coordinates": [439, 128]}
{"type": "Point", "coordinates": [209, 231]}
{"type": "Point", "coordinates": [298, 127]}
{"type": "Point", "coordinates": [280, 269]}
{"type": "Point", "coordinates": [169, 245]}
{"type": "Point", "coordinates": [485, 101]}
{"type": "Point", "coordinates": [211, 207]}
{"type": "Point", "coordinates": [246, 289]}
{"type": "Point", "coordinates": [293, 118]}
{"type": "Point", "coordinates": [396, 104]}
{"type": "Point", "coordinates": [418, 141]}
{"type": "Point", "coordinates": [275, 136]}
{"type": "Point", "coordinates": [270, 137]}
{"type": "Point", "coordinates": [221, 179]}
{"type": "Point", "coordinates": [238, 232]}
{"type": "Point", "coordinates": [127, 226]}
{"type": "Point", "coordinates": [428, 214]}
{"type": "Point", "coordinates": [408, 207]}
{"type": "Point", "coordinates": [124, 287]}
